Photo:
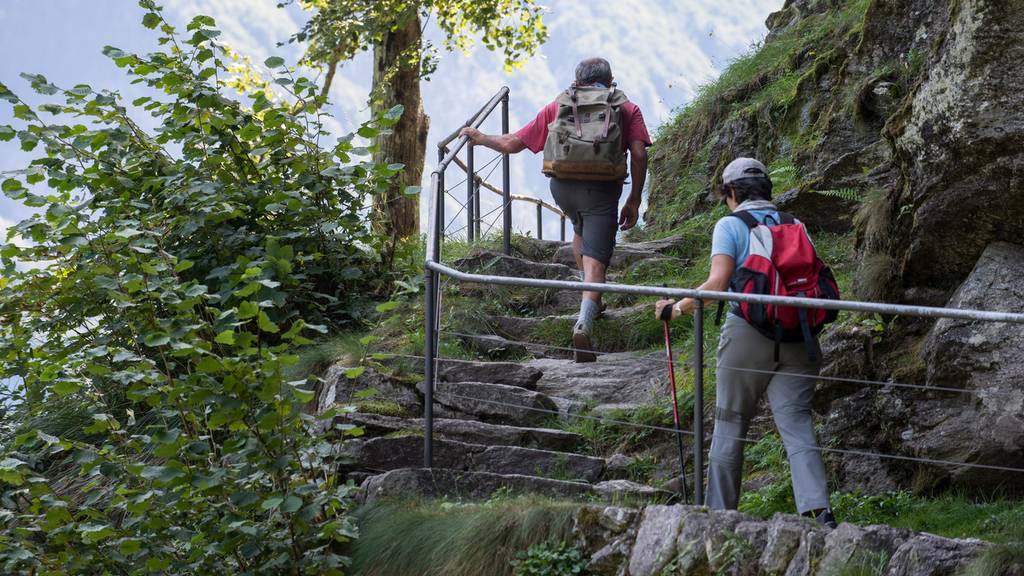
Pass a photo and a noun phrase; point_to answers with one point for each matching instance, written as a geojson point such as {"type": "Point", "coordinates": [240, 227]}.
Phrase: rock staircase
{"type": "Point", "coordinates": [495, 432]}
{"type": "Point", "coordinates": [492, 427]}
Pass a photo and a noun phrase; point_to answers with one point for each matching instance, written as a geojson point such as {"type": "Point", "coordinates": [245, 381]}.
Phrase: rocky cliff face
{"type": "Point", "coordinates": [901, 120]}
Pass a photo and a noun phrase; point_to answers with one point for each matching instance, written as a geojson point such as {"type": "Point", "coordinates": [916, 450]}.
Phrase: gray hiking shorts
{"type": "Point", "coordinates": [593, 208]}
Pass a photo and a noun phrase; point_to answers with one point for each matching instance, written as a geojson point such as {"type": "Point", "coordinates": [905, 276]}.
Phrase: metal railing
{"type": "Point", "coordinates": [435, 269]}
{"type": "Point", "coordinates": [474, 182]}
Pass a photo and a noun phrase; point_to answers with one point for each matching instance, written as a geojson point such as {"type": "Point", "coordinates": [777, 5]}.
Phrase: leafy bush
{"type": "Point", "coordinates": [149, 323]}
{"type": "Point", "coordinates": [547, 559]}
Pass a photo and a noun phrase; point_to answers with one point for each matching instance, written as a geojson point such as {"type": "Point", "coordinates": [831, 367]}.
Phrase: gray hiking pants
{"type": "Point", "coordinates": [738, 393]}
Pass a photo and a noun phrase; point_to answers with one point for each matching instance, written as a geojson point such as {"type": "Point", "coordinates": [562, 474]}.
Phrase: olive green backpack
{"type": "Point", "coordinates": [585, 138]}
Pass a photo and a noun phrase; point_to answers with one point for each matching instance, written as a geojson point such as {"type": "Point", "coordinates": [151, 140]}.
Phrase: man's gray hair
{"type": "Point", "coordinates": [593, 70]}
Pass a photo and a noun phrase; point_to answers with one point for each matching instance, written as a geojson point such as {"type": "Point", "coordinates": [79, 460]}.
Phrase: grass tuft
{"type": "Point", "coordinates": [453, 539]}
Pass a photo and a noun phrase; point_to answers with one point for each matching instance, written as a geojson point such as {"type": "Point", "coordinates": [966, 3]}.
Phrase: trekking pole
{"type": "Point", "coordinates": [666, 315]}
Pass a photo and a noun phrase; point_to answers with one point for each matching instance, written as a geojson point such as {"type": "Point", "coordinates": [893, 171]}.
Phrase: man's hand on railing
{"type": "Point", "coordinates": [475, 136]}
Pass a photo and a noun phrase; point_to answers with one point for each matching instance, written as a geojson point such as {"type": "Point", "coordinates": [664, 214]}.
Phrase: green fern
{"type": "Point", "coordinates": [847, 194]}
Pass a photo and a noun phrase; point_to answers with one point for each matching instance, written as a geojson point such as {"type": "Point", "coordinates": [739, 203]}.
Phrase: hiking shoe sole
{"type": "Point", "coordinates": [583, 349]}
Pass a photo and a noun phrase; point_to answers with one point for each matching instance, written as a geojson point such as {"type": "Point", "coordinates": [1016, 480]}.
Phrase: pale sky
{"type": "Point", "coordinates": [661, 51]}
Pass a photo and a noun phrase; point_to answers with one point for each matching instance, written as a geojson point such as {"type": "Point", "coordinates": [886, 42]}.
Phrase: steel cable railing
{"type": "Point", "coordinates": [666, 429]}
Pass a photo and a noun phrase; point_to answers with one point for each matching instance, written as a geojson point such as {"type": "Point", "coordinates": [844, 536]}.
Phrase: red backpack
{"type": "Point", "coordinates": [782, 262]}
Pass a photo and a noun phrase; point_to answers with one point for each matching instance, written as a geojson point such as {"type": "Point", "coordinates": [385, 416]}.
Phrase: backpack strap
{"type": "Point", "coordinates": [747, 218]}
{"type": "Point", "coordinates": [786, 218]}
{"type": "Point", "coordinates": [576, 111]}
{"type": "Point", "coordinates": [607, 112]}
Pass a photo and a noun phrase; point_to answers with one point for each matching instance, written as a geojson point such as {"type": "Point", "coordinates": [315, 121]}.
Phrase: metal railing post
{"type": "Point", "coordinates": [506, 188]}
{"type": "Point", "coordinates": [698, 404]}
{"type": "Point", "coordinates": [441, 197]}
{"type": "Point", "coordinates": [476, 204]}
{"type": "Point", "coordinates": [470, 185]}
{"type": "Point", "coordinates": [562, 232]}
{"type": "Point", "coordinates": [540, 222]}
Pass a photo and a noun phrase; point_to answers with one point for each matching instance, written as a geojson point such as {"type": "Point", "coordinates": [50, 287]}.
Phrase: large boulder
{"type": "Point", "coordinates": [985, 427]}
{"type": "Point", "coordinates": [962, 148]}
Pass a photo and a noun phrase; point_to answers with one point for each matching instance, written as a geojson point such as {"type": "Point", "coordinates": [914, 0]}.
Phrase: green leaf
{"type": "Point", "coordinates": [154, 339]}
{"type": "Point", "coordinates": [412, 190]}
{"type": "Point", "coordinates": [368, 132]}
{"type": "Point", "coordinates": [394, 113]}
{"type": "Point", "coordinates": [364, 394]}
{"type": "Point", "coordinates": [303, 395]}
{"type": "Point", "coordinates": [151, 20]}
{"type": "Point", "coordinates": [353, 373]}
{"type": "Point", "coordinates": [65, 387]}
{"type": "Point", "coordinates": [129, 546]}
{"type": "Point", "coordinates": [266, 324]}
{"type": "Point", "coordinates": [274, 62]}
{"type": "Point", "coordinates": [387, 306]}
{"type": "Point", "coordinates": [291, 504]}
{"type": "Point", "coordinates": [6, 133]}
{"type": "Point", "coordinates": [225, 337]}
{"type": "Point", "coordinates": [247, 309]}
{"type": "Point", "coordinates": [271, 503]}
{"type": "Point", "coordinates": [12, 185]}
{"type": "Point", "coordinates": [183, 265]}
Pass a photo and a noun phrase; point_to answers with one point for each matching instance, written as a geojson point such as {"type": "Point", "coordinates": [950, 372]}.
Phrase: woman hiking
{"type": "Point", "coordinates": [750, 364]}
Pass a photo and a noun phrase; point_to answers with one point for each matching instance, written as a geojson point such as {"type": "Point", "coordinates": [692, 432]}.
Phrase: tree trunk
{"type": "Point", "coordinates": [396, 80]}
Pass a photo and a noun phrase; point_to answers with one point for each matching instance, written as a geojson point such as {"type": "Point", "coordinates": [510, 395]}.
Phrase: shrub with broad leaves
{"type": "Point", "coordinates": [151, 308]}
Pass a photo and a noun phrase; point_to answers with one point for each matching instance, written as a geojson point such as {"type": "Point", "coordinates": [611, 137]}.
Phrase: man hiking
{"type": "Point", "coordinates": [585, 134]}
{"type": "Point", "coordinates": [750, 362]}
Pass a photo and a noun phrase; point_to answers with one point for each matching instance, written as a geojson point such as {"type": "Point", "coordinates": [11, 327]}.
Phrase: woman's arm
{"type": "Point", "coordinates": [722, 267]}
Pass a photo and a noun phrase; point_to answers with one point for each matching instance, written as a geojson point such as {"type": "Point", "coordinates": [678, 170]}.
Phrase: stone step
{"type": "Point", "coordinates": [626, 253]}
{"type": "Point", "coordinates": [523, 328]}
{"type": "Point", "coordinates": [497, 264]}
{"type": "Point", "coordinates": [507, 373]}
{"type": "Point", "coordinates": [499, 348]}
{"type": "Point", "coordinates": [471, 431]}
{"type": "Point", "coordinates": [387, 453]}
{"type": "Point", "coordinates": [495, 403]}
{"type": "Point", "coordinates": [619, 380]}
{"type": "Point", "coordinates": [439, 482]}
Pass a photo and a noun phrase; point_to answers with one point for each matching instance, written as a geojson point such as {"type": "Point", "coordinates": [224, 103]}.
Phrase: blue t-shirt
{"type": "Point", "coordinates": [732, 236]}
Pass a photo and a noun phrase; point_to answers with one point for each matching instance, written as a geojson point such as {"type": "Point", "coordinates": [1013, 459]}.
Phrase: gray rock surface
{"type": "Point", "coordinates": [655, 540]}
{"type": "Point", "coordinates": [962, 148]}
{"type": "Point", "coordinates": [507, 373]}
{"type": "Point", "coordinates": [784, 535]}
{"type": "Point", "coordinates": [392, 453]}
{"type": "Point", "coordinates": [819, 212]}
{"type": "Point", "coordinates": [336, 388]}
{"type": "Point", "coordinates": [438, 482]}
{"type": "Point", "coordinates": [850, 544]}
{"type": "Point", "coordinates": [623, 379]}
{"type": "Point", "coordinates": [496, 403]}
{"type": "Point", "coordinates": [498, 264]}
{"type": "Point", "coordinates": [626, 253]}
{"type": "Point", "coordinates": [988, 427]}
{"type": "Point", "coordinates": [929, 555]}
{"type": "Point", "coordinates": [470, 431]}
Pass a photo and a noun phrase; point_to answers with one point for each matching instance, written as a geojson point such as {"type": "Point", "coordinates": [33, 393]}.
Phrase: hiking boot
{"type": "Point", "coordinates": [583, 348]}
{"type": "Point", "coordinates": [826, 519]}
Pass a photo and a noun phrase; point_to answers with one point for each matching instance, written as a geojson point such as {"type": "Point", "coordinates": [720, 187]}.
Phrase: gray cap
{"type": "Point", "coordinates": [743, 168]}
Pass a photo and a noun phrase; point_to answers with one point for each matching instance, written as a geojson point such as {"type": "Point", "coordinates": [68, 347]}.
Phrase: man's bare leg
{"type": "Point", "coordinates": [593, 271]}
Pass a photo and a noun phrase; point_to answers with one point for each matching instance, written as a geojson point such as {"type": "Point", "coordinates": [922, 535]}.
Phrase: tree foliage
{"type": "Point", "coordinates": [341, 29]}
{"type": "Point", "coordinates": [150, 311]}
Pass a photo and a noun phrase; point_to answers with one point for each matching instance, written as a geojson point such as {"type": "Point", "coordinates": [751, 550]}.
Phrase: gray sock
{"type": "Point", "coordinates": [588, 310]}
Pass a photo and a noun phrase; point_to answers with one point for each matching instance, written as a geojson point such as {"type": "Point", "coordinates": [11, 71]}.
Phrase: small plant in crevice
{"type": "Point", "coordinates": [547, 559]}
{"type": "Point", "coordinates": [862, 563]}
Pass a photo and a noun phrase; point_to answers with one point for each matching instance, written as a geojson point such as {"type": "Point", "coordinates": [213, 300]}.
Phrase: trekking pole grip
{"type": "Point", "coordinates": [666, 312]}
